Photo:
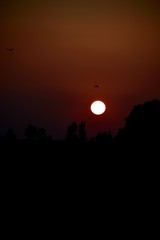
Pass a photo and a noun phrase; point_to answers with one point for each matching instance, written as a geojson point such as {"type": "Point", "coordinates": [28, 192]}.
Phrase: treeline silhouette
{"type": "Point", "coordinates": [118, 173]}
{"type": "Point", "coordinates": [136, 145]}
{"type": "Point", "coordinates": [141, 131]}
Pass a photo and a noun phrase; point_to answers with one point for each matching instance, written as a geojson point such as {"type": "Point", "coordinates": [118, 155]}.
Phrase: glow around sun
{"type": "Point", "coordinates": [98, 107]}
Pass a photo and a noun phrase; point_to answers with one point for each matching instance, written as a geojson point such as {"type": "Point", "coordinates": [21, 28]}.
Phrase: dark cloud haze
{"type": "Point", "coordinates": [63, 48]}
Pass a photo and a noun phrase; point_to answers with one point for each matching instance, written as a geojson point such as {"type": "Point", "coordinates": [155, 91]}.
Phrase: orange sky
{"type": "Point", "coordinates": [62, 49]}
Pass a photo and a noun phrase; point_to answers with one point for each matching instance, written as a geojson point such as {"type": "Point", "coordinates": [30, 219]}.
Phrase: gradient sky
{"type": "Point", "coordinates": [63, 48]}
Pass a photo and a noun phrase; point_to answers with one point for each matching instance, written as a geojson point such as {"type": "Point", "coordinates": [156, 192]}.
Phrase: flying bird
{"type": "Point", "coordinates": [96, 86]}
{"type": "Point", "coordinates": [10, 49]}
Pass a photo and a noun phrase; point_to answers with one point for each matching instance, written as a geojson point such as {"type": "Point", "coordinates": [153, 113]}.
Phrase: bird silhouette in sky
{"type": "Point", "coordinates": [10, 49]}
{"type": "Point", "coordinates": [96, 86]}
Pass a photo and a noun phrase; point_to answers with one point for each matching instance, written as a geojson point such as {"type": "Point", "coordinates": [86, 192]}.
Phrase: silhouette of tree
{"type": "Point", "coordinates": [10, 136]}
{"type": "Point", "coordinates": [71, 135]}
{"type": "Point", "coordinates": [82, 135]}
{"type": "Point", "coordinates": [142, 125]}
{"type": "Point", "coordinates": [41, 134]}
{"type": "Point", "coordinates": [31, 133]}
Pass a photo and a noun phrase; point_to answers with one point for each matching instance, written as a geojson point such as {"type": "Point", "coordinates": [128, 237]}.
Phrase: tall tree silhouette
{"type": "Point", "coordinates": [142, 125]}
{"type": "Point", "coordinates": [71, 135]}
{"type": "Point", "coordinates": [82, 134]}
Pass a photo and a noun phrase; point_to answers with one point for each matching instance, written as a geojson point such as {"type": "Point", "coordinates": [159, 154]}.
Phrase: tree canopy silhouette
{"type": "Point", "coordinates": [142, 125]}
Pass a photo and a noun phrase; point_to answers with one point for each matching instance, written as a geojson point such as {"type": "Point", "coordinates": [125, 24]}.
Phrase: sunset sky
{"type": "Point", "coordinates": [63, 48]}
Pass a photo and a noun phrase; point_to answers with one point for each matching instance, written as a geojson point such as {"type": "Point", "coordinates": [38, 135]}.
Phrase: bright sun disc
{"type": "Point", "coordinates": [98, 107]}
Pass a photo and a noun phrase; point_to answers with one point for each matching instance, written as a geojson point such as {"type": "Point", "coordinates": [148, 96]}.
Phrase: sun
{"type": "Point", "coordinates": [98, 107]}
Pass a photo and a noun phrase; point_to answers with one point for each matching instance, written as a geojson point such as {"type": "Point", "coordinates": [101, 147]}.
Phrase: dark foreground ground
{"type": "Point", "coordinates": [71, 183]}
